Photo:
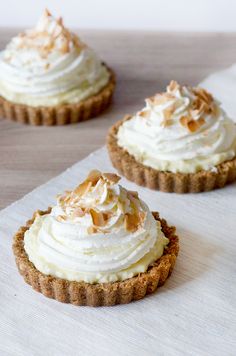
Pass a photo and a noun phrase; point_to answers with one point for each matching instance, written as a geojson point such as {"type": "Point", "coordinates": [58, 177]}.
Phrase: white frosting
{"type": "Point", "coordinates": [157, 138]}
{"type": "Point", "coordinates": [68, 249]}
{"type": "Point", "coordinates": [49, 66]}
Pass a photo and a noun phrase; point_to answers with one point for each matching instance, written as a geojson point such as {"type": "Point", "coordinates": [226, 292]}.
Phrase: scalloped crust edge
{"type": "Point", "coordinates": [60, 114]}
{"type": "Point", "coordinates": [101, 294]}
{"type": "Point", "coordinates": [142, 175]}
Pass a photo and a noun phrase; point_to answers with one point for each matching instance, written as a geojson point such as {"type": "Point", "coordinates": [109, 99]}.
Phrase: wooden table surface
{"type": "Point", "coordinates": [144, 63]}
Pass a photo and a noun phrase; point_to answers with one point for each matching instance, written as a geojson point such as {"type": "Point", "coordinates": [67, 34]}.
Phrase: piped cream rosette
{"type": "Point", "coordinates": [181, 130]}
{"type": "Point", "coordinates": [99, 232]}
{"type": "Point", "coordinates": [49, 65]}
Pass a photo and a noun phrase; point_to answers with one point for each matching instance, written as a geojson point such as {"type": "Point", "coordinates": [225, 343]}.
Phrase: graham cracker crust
{"type": "Point", "coordinates": [201, 181]}
{"type": "Point", "coordinates": [60, 114]}
{"type": "Point", "coordinates": [101, 294]}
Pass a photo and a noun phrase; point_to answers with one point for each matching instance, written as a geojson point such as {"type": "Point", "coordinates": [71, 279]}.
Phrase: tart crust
{"type": "Point", "coordinates": [60, 114]}
{"type": "Point", "coordinates": [100, 294]}
{"type": "Point", "coordinates": [201, 181]}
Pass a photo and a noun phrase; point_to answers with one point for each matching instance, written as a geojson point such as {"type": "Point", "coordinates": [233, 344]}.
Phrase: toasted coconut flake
{"type": "Point", "coordinates": [215, 110]}
{"type": "Point", "coordinates": [142, 217]}
{"type": "Point", "coordinates": [144, 113]}
{"type": "Point", "coordinates": [99, 218]}
{"type": "Point", "coordinates": [94, 176]}
{"type": "Point", "coordinates": [59, 196]}
{"type": "Point", "coordinates": [194, 113]}
{"type": "Point", "coordinates": [173, 86]}
{"type": "Point", "coordinates": [197, 103]}
{"type": "Point", "coordinates": [166, 123]}
{"type": "Point", "coordinates": [47, 13]}
{"type": "Point", "coordinates": [190, 124]}
{"type": "Point", "coordinates": [203, 103]}
{"type": "Point", "coordinates": [184, 120]}
{"type": "Point", "coordinates": [160, 99]}
{"type": "Point", "coordinates": [83, 188]}
{"type": "Point", "coordinates": [67, 198]}
{"type": "Point", "coordinates": [37, 214]}
{"type": "Point", "coordinates": [61, 218]}
{"type": "Point", "coordinates": [121, 205]}
{"type": "Point", "coordinates": [65, 47]}
{"type": "Point", "coordinates": [149, 101]}
{"type": "Point", "coordinates": [63, 199]}
{"type": "Point", "coordinates": [111, 177]}
{"type": "Point", "coordinates": [66, 38]}
{"type": "Point", "coordinates": [203, 95]}
{"type": "Point", "coordinates": [91, 230]}
{"type": "Point", "coordinates": [134, 201]}
{"type": "Point", "coordinates": [142, 214]}
{"type": "Point", "coordinates": [201, 121]}
{"type": "Point", "coordinates": [168, 112]}
{"type": "Point", "coordinates": [133, 193]}
{"type": "Point", "coordinates": [131, 222]}
{"type": "Point", "coordinates": [77, 43]}
{"type": "Point", "coordinates": [60, 21]}
{"type": "Point", "coordinates": [194, 125]}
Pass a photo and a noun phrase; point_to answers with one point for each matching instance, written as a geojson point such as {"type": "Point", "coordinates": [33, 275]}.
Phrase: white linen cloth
{"type": "Point", "coordinates": [223, 86]}
{"type": "Point", "coordinates": [194, 313]}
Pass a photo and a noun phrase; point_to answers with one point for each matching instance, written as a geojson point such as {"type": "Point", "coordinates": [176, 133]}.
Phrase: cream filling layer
{"type": "Point", "coordinates": [173, 148]}
{"type": "Point", "coordinates": [71, 78]}
{"type": "Point", "coordinates": [96, 259]}
{"type": "Point", "coordinates": [149, 157]}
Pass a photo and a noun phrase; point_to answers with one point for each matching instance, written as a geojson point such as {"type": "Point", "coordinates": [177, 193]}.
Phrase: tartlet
{"type": "Point", "coordinates": [48, 76]}
{"type": "Point", "coordinates": [150, 148]}
{"type": "Point", "coordinates": [131, 233]}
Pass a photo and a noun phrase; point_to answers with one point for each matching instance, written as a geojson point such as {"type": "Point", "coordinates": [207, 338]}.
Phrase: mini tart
{"type": "Point", "coordinates": [201, 181]}
{"type": "Point", "coordinates": [100, 294]}
{"type": "Point", "coordinates": [60, 114]}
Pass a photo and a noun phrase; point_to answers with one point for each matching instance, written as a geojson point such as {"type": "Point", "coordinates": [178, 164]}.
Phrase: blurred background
{"type": "Point", "coordinates": [171, 15]}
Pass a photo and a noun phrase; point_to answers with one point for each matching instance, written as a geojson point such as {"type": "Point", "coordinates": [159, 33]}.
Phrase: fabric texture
{"type": "Point", "coordinates": [223, 85]}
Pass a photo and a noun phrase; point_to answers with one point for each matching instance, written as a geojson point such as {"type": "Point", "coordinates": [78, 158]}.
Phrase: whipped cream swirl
{"type": "Point", "coordinates": [182, 130]}
{"type": "Point", "coordinates": [49, 65]}
{"type": "Point", "coordinates": [99, 232]}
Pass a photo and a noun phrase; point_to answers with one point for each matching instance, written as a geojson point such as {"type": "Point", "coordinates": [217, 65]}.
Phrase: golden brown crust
{"type": "Point", "coordinates": [201, 181]}
{"type": "Point", "coordinates": [60, 114]}
{"type": "Point", "coordinates": [102, 294]}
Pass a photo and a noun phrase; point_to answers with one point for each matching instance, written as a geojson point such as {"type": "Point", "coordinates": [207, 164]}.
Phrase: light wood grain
{"type": "Point", "coordinates": [143, 62]}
